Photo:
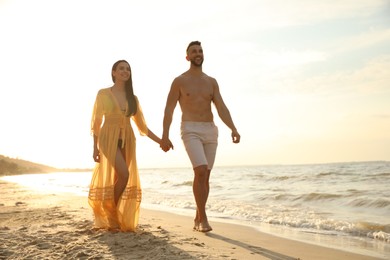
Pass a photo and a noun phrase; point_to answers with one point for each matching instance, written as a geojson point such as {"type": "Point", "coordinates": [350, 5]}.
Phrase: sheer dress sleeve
{"type": "Point", "coordinates": [139, 120]}
{"type": "Point", "coordinates": [97, 115]}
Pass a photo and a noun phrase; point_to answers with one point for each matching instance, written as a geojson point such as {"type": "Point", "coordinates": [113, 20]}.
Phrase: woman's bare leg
{"type": "Point", "coordinates": [122, 174]}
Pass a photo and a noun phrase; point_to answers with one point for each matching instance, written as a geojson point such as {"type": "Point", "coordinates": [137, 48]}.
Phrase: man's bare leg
{"type": "Point", "coordinates": [201, 191]}
{"type": "Point", "coordinates": [197, 218]}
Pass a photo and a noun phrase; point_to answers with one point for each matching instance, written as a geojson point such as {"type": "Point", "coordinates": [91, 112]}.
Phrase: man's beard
{"type": "Point", "coordinates": [197, 64]}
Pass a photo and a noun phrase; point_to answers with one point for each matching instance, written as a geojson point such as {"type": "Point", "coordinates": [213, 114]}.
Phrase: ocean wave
{"type": "Point", "coordinates": [304, 218]}
{"type": "Point", "coordinates": [282, 178]}
{"type": "Point", "coordinates": [380, 235]}
{"type": "Point", "coordinates": [384, 174]}
{"type": "Point", "coordinates": [318, 196]}
{"type": "Point", "coordinates": [308, 221]}
{"type": "Point", "coordinates": [185, 183]}
{"type": "Point", "coordinates": [326, 174]}
{"type": "Point", "coordinates": [370, 203]}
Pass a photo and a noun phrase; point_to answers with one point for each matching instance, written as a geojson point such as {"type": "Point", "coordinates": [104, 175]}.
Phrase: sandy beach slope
{"type": "Point", "coordinates": [56, 226]}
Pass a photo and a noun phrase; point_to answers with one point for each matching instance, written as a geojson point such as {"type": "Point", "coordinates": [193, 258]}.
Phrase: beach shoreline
{"type": "Point", "coordinates": [58, 225]}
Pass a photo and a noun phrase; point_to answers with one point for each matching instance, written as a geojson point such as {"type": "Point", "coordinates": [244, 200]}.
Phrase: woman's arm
{"type": "Point", "coordinates": [96, 154]}
{"type": "Point", "coordinates": [154, 137]}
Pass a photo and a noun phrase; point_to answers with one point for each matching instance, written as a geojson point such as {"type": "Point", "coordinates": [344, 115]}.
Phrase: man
{"type": "Point", "coordinates": [196, 92]}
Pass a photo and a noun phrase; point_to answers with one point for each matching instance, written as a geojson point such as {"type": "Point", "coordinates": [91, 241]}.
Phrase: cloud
{"type": "Point", "coordinates": [220, 19]}
{"type": "Point", "coordinates": [373, 77]}
{"type": "Point", "coordinates": [361, 41]}
{"type": "Point", "coordinates": [291, 13]}
{"type": "Point", "coordinates": [381, 116]}
{"type": "Point", "coordinates": [288, 58]}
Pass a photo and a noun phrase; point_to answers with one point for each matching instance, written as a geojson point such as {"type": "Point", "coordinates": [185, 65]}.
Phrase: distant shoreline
{"type": "Point", "coordinates": [12, 166]}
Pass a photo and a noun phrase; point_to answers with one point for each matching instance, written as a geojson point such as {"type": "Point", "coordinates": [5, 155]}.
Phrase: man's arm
{"type": "Point", "coordinates": [224, 112]}
{"type": "Point", "coordinates": [170, 106]}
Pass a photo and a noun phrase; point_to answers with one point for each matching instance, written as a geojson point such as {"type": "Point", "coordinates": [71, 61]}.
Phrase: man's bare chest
{"type": "Point", "coordinates": [196, 91]}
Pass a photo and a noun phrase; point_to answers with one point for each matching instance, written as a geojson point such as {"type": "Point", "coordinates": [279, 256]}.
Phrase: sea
{"type": "Point", "coordinates": [338, 205]}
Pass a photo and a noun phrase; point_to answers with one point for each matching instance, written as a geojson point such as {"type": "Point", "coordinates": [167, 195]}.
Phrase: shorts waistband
{"type": "Point", "coordinates": [193, 123]}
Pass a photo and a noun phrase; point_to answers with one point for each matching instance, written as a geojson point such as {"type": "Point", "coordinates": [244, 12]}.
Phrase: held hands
{"type": "Point", "coordinates": [236, 137]}
{"type": "Point", "coordinates": [166, 144]}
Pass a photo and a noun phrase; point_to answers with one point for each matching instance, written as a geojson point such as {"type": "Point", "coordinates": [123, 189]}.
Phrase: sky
{"type": "Point", "coordinates": [305, 81]}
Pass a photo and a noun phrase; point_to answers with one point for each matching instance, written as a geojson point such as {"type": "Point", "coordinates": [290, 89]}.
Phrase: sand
{"type": "Point", "coordinates": [60, 226]}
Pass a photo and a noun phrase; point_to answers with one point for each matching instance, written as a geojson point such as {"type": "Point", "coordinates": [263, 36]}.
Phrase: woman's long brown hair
{"type": "Point", "coordinates": [131, 101]}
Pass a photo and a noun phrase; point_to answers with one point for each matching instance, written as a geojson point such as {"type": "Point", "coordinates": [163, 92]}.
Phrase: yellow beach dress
{"type": "Point", "coordinates": [110, 124]}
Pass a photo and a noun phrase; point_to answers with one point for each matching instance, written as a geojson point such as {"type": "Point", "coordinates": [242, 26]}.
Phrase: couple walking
{"type": "Point", "coordinates": [115, 190]}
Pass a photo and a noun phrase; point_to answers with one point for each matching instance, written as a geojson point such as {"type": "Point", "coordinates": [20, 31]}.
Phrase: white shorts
{"type": "Point", "coordinates": [200, 140]}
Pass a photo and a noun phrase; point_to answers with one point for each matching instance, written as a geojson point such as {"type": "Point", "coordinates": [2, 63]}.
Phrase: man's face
{"type": "Point", "coordinates": [195, 55]}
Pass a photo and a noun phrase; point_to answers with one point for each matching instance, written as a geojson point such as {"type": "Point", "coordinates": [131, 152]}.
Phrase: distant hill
{"type": "Point", "coordinates": [11, 166]}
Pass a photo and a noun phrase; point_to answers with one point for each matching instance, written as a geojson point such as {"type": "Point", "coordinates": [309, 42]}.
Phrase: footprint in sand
{"type": "Point", "coordinates": [44, 245]}
{"type": "Point", "coordinates": [200, 244]}
{"type": "Point", "coordinates": [4, 228]}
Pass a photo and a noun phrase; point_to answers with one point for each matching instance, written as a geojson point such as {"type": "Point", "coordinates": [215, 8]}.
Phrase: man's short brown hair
{"type": "Point", "coordinates": [193, 43]}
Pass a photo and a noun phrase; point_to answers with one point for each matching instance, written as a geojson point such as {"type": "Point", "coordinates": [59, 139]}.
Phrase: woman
{"type": "Point", "coordinates": [115, 191]}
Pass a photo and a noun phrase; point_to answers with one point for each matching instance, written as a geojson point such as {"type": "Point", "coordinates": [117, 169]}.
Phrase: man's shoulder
{"type": "Point", "coordinates": [184, 75]}
{"type": "Point", "coordinates": [181, 78]}
{"type": "Point", "coordinates": [210, 77]}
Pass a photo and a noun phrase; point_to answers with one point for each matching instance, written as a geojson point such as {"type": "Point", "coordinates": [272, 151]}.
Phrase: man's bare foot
{"type": "Point", "coordinates": [204, 227]}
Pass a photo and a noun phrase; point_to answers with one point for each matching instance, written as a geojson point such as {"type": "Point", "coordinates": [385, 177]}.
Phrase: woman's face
{"type": "Point", "coordinates": [122, 72]}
